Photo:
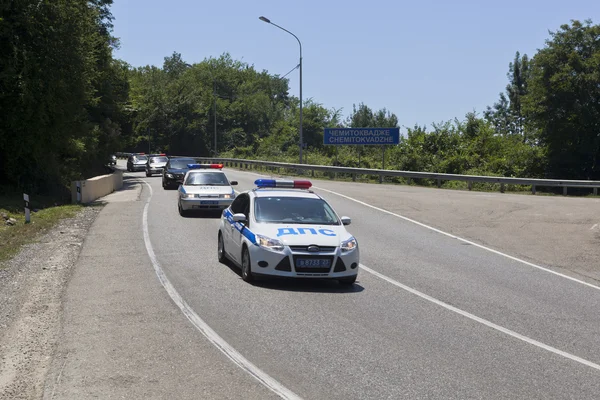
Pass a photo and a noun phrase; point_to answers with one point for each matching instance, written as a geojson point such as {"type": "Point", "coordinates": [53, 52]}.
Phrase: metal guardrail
{"type": "Point", "coordinates": [381, 173]}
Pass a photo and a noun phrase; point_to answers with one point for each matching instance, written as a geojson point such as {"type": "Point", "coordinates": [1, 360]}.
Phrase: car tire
{"type": "Point", "coordinates": [221, 249]}
{"type": "Point", "coordinates": [147, 174]}
{"type": "Point", "coordinates": [348, 281]}
{"type": "Point", "coordinates": [246, 268]}
{"type": "Point", "coordinates": [182, 212]}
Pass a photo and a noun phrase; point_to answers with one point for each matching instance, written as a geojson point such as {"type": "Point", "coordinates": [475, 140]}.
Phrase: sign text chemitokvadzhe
{"type": "Point", "coordinates": [361, 136]}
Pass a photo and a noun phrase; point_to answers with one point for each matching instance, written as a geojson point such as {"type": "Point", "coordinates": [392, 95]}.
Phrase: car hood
{"type": "Point", "coordinates": [207, 189]}
{"type": "Point", "coordinates": [158, 165]}
{"type": "Point", "coordinates": [303, 234]}
{"type": "Point", "coordinates": [139, 162]}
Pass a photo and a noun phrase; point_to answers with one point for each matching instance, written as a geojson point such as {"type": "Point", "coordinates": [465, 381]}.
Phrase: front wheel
{"type": "Point", "coordinates": [246, 269]}
{"type": "Point", "coordinates": [221, 250]}
{"type": "Point", "coordinates": [182, 212]}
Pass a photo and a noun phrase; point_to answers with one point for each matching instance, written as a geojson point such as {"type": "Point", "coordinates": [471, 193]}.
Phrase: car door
{"type": "Point", "coordinates": [228, 227]}
{"type": "Point", "coordinates": [240, 205]}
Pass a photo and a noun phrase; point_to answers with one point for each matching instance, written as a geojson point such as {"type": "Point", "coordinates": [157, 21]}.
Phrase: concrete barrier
{"type": "Point", "coordinates": [96, 187]}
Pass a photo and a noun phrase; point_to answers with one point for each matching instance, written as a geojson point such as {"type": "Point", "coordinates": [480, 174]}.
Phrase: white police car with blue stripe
{"type": "Point", "coordinates": [281, 228]}
{"type": "Point", "coordinates": [205, 187]}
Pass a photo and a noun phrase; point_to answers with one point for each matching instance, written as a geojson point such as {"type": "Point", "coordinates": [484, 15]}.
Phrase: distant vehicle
{"type": "Point", "coordinates": [281, 228]}
{"type": "Point", "coordinates": [155, 164]}
{"type": "Point", "coordinates": [174, 171]}
{"type": "Point", "coordinates": [205, 187]}
{"type": "Point", "coordinates": [137, 162]}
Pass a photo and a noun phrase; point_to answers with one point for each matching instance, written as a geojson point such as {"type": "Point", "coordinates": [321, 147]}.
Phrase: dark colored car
{"type": "Point", "coordinates": [174, 171]}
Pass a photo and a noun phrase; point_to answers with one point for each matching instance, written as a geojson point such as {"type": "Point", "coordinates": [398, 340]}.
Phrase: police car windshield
{"type": "Point", "coordinates": [158, 159]}
{"type": "Point", "coordinates": [296, 210]}
{"type": "Point", "coordinates": [141, 158]}
{"type": "Point", "coordinates": [206, 178]}
{"type": "Point", "coordinates": [181, 164]}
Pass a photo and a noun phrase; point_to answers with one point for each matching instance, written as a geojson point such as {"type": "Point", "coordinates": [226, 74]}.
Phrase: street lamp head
{"type": "Point", "coordinates": [267, 20]}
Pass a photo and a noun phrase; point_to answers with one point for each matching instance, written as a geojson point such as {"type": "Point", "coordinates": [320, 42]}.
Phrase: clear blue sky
{"type": "Point", "coordinates": [426, 61]}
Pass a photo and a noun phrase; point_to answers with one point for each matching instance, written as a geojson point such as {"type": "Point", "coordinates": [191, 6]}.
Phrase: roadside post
{"type": "Point", "coordinates": [78, 184]}
{"type": "Point", "coordinates": [27, 209]}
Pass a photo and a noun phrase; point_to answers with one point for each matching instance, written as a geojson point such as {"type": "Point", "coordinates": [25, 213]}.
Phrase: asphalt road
{"type": "Point", "coordinates": [430, 316]}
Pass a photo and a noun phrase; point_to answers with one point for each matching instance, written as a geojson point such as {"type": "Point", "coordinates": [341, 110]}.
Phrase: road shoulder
{"type": "Point", "coordinates": [122, 336]}
{"type": "Point", "coordinates": [31, 289]}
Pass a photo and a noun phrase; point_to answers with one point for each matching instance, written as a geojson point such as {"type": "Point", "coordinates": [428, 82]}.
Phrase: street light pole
{"type": "Point", "coordinates": [268, 21]}
{"type": "Point", "coordinates": [215, 113]}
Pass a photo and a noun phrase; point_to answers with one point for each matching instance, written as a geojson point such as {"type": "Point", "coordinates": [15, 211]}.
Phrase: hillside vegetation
{"type": "Point", "coordinates": [67, 103]}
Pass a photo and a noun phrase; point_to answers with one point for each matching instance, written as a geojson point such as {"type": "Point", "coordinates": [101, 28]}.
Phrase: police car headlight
{"type": "Point", "coordinates": [169, 175]}
{"type": "Point", "coordinates": [349, 245]}
{"type": "Point", "coordinates": [225, 196]}
{"type": "Point", "coordinates": [186, 196]}
{"type": "Point", "coordinates": [268, 243]}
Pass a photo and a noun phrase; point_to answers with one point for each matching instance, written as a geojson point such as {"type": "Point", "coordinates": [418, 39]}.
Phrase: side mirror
{"type": "Point", "coordinates": [233, 183]}
{"type": "Point", "coordinates": [239, 217]}
{"type": "Point", "coordinates": [346, 220]}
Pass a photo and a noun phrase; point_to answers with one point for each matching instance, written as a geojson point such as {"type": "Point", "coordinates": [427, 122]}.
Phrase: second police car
{"type": "Point", "coordinates": [205, 187]}
{"type": "Point", "coordinates": [281, 228]}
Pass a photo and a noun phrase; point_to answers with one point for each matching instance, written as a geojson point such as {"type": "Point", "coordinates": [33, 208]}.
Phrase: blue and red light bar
{"type": "Point", "coordinates": [279, 183]}
{"type": "Point", "coordinates": [203, 166]}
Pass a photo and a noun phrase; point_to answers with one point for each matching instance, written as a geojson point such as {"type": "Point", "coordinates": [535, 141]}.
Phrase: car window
{"type": "Point", "coordinates": [207, 178]}
{"type": "Point", "coordinates": [158, 159]}
{"type": "Point", "coordinates": [240, 204]}
{"type": "Point", "coordinates": [297, 210]}
{"type": "Point", "coordinates": [181, 163]}
{"type": "Point", "coordinates": [140, 158]}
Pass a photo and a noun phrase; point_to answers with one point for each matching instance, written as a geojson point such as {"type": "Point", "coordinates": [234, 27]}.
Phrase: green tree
{"type": "Point", "coordinates": [60, 92]}
{"type": "Point", "coordinates": [563, 101]}
{"type": "Point", "coordinates": [507, 115]}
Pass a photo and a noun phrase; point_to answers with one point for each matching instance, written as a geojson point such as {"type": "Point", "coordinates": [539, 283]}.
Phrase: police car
{"type": "Point", "coordinates": [281, 228]}
{"type": "Point", "coordinates": [205, 187]}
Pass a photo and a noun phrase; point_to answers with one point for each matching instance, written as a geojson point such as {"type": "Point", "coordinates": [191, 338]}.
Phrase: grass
{"type": "Point", "coordinates": [12, 238]}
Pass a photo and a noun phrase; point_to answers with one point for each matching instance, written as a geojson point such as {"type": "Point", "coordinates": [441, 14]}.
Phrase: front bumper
{"type": "Point", "coordinates": [153, 171]}
{"type": "Point", "coordinates": [204, 203]}
{"type": "Point", "coordinates": [174, 178]}
{"type": "Point", "coordinates": [138, 167]}
{"type": "Point", "coordinates": [283, 264]}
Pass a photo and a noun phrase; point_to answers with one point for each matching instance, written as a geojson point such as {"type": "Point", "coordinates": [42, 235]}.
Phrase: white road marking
{"type": "Point", "coordinates": [593, 227]}
{"type": "Point", "coordinates": [461, 239]}
{"type": "Point", "coordinates": [482, 321]}
{"type": "Point", "coordinates": [202, 326]}
{"type": "Point", "coordinates": [454, 236]}
{"type": "Point", "coordinates": [466, 314]}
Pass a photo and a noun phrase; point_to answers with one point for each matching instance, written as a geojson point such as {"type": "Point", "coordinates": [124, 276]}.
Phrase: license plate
{"type": "Point", "coordinates": [208, 202]}
{"type": "Point", "coordinates": [312, 263]}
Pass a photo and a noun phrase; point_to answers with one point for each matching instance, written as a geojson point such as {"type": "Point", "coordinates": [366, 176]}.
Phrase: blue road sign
{"type": "Point", "coordinates": [361, 136]}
